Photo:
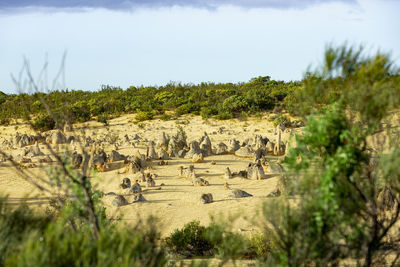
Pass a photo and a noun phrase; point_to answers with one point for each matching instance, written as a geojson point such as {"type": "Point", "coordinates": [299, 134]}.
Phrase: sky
{"type": "Point", "coordinates": [153, 42]}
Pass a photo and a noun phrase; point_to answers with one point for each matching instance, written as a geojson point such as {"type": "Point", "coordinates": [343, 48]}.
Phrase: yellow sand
{"type": "Point", "coordinates": [178, 202]}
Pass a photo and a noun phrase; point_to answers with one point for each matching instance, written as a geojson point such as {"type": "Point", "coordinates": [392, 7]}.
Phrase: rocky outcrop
{"type": "Point", "coordinates": [126, 183]}
{"type": "Point", "coordinates": [187, 172]}
{"type": "Point", "coordinates": [200, 182]}
{"type": "Point", "coordinates": [255, 171]}
{"type": "Point", "coordinates": [227, 174]}
{"type": "Point", "coordinates": [245, 152]}
{"type": "Point", "coordinates": [197, 158]}
{"type": "Point", "coordinates": [221, 149]}
{"type": "Point", "coordinates": [237, 193]}
{"type": "Point", "coordinates": [206, 198]}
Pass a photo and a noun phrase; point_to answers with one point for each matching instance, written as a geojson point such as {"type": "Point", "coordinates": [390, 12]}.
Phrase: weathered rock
{"type": "Point", "coordinates": [245, 152]}
{"type": "Point", "coordinates": [135, 188]}
{"type": "Point", "coordinates": [187, 172]}
{"type": "Point", "coordinates": [162, 141]}
{"type": "Point", "coordinates": [180, 139]}
{"type": "Point", "coordinates": [200, 182]}
{"type": "Point", "coordinates": [163, 163]}
{"type": "Point", "coordinates": [255, 171]}
{"type": "Point", "coordinates": [77, 160]}
{"type": "Point", "coordinates": [131, 167]}
{"type": "Point", "coordinates": [260, 142]}
{"type": "Point", "coordinates": [221, 149]}
{"type": "Point", "coordinates": [247, 142]}
{"type": "Point", "coordinates": [57, 137]}
{"type": "Point", "coordinates": [233, 146]}
{"type": "Point", "coordinates": [32, 151]}
{"type": "Point", "coordinates": [227, 186]}
{"type": "Point", "coordinates": [163, 154]}
{"type": "Point", "coordinates": [241, 174]}
{"type": "Point", "coordinates": [194, 149]}
{"type": "Point", "coordinates": [269, 147]}
{"type": "Point", "coordinates": [151, 182]}
{"type": "Point", "coordinates": [45, 159]}
{"type": "Point", "coordinates": [181, 153]}
{"type": "Point", "coordinates": [273, 167]}
{"type": "Point", "coordinates": [24, 140]}
{"type": "Point", "coordinates": [197, 158]}
{"type": "Point", "coordinates": [141, 177]}
{"type": "Point", "coordinates": [206, 198]}
{"type": "Point", "coordinates": [152, 153]}
{"type": "Point", "coordinates": [279, 189]}
{"type": "Point", "coordinates": [279, 148]}
{"type": "Point", "coordinates": [126, 183]}
{"type": "Point", "coordinates": [119, 201]}
{"type": "Point", "coordinates": [116, 156]}
{"type": "Point", "coordinates": [205, 145]}
{"type": "Point", "coordinates": [70, 139]}
{"type": "Point", "coordinates": [280, 128]}
{"type": "Point", "coordinates": [173, 147]}
{"type": "Point", "coordinates": [136, 137]}
{"type": "Point", "coordinates": [139, 198]}
{"type": "Point", "coordinates": [227, 174]}
{"type": "Point", "coordinates": [237, 193]}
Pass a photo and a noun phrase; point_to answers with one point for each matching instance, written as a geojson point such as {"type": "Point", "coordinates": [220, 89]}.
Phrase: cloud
{"type": "Point", "coordinates": [131, 4]}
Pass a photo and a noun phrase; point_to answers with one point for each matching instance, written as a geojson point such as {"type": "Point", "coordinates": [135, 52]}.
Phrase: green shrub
{"type": "Point", "coordinates": [144, 116]}
{"type": "Point", "coordinates": [165, 117]}
{"type": "Point", "coordinates": [208, 112]}
{"type": "Point", "coordinates": [43, 123]}
{"type": "Point", "coordinates": [234, 104]}
{"type": "Point", "coordinates": [29, 238]}
{"type": "Point", "coordinates": [184, 109]}
{"type": "Point", "coordinates": [189, 241]}
{"type": "Point", "coordinates": [103, 118]}
{"type": "Point", "coordinates": [224, 116]}
{"type": "Point", "coordinates": [282, 120]}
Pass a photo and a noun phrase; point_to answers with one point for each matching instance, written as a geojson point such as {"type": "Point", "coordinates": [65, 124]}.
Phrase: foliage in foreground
{"type": "Point", "coordinates": [48, 240]}
{"type": "Point", "coordinates": [341, 172]}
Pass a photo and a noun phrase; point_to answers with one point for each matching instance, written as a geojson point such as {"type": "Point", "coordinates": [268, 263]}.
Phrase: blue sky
{"type": "Point", "coordinates": [123, 43]}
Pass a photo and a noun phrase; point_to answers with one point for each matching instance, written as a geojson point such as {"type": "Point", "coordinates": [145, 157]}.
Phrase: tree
{"type": "Point", "coordinates": [341, 171]}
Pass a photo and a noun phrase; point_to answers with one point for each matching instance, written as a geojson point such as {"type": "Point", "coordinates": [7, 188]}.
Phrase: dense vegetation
{"type": "Point", "coordinates": [222, 101]}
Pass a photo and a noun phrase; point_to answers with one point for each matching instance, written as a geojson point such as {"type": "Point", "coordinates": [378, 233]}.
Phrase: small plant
{"type": "Point", "coordinates": [141, 125]}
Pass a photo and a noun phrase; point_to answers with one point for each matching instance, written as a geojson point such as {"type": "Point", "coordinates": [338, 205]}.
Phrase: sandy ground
{"type": "Point", "coordinates": [178, 202]}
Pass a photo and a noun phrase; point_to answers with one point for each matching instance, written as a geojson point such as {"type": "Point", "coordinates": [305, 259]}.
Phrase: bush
{"type": "Point", "coordinates": [282, 120]}
{"type": "Point", "coordinates": [184, 109]}
{"type": "Point", "coordinates": [43, 123]}
{"type": "Point", "coordinates": [28, 238]}
{"type": "Point", "coordinates": [165, 117]}
{"type": "Point", "coordinates": [224, 116]}
{"type": "Point", "coordinates": [208, 112]}
{"type": "Point", "coordinates": [144, 116]}
{"type": "Point", "coordinates": [190, 241]}
{"type": "Point", "coordinates": [103, 118]}
{"type": "Point", "coordinates": [234, 104]}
